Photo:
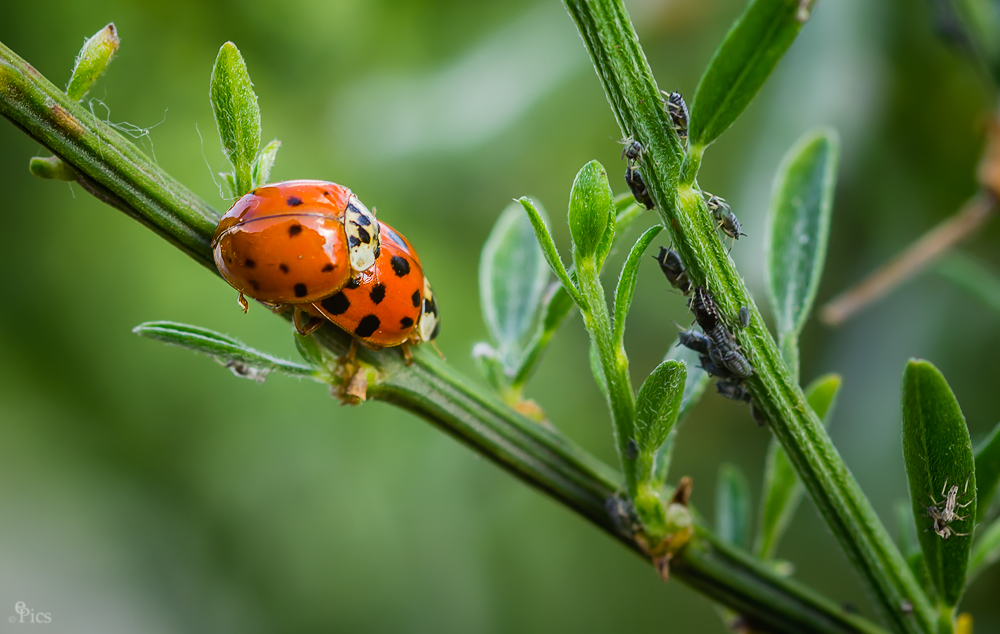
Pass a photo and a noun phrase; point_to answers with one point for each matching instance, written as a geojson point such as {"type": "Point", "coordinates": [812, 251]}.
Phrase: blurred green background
{"type": "Point", "coordinates": [144, 488]}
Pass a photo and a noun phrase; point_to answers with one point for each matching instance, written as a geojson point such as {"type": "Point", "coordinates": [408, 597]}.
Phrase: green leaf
{"type": "Point", "coordinates": [798, 231]}
{"type": "Point", "coordinates": [694, 386]}
{"type": "Point", "coordinates": [656, 409]}
{"type": "Point", "coordinates": [594, 357]}
{"type": "Point", "coordinates": [938, 454]}
{"type": "Point", "coordinates": [626, 283]}
{"type": "Point", "coordinates": [488, 361]}
{"type": "Point", "coordinates": [513, 276]}
{"type": "Point", "coordinates": [591, 214]}
{"type": "Point", "coordinates": [987, 471]}
{"type": "Point", "coordinates": [549, 250]}
{"type": "Point", "coordinates": [740, 65]}
{"type": "Point", "coordinates": [236, 113]}
{"type": "Point", "coordinates": [93, 59]}
{"type": "Point", "coordinates": [241, 359]}
{"type": "Point", "coordinates": [51, 167]}
{"type": "Point", "coordinates": [310, 350]}
{"type": "Point", "coordinates": [558, 303]}
{"type": "Point", "coordinates": [732, 506]}
{"type": "Point", "coordinates": [782, 490]}
{"type": "Point", "coordinates": [986, 550]}
{"type": "Point", "coordinates": [260, 171]}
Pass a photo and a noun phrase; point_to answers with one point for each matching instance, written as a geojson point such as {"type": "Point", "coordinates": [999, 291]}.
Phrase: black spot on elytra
{"type": "Point", "coordinates": [249, 263]}
{"type": "Point", "coordinates": [377, 293]}
{"type": "Point", "coordinates": [283, 267]}
{"type": "Point", "coordinates": [294, 230]}
{"type": "Point", "coordinates": [255, 285]}
{"type": "Point", "coordinates": [363, 220]}
{"type": "Point", "coordinates": [400, 266]}
{"type": "Point", "coordinates": [336, 304]}
{"type": "Point", "coordinates": [364, 235]}
{"type": "Point", "coordinates": [326, 193]}
{"type": "Point", "coordinates": [327, 267]}
{"type": "Point", "coordinates": [368, 325]}
{"type": "Point", "coordinates": [353, 241]}
{"type": "Point", "coordinates": [405, 322]}
{"type": "Point", "coordinates": [353, 283]}
{"type": "Point", "coordinates": [294, 201]}
{"type": "Point", "coordinates": [415, 298]}
{"type": "Point", "coordinates": [301, 290]}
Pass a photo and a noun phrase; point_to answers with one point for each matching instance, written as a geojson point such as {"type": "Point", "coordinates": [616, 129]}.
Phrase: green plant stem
{"type": "Point", "coordinates": [620, 394]}
{"type": "Point", "coordinates": [118, 173]}
{"type": "Point", "coordinates": [632, 92]}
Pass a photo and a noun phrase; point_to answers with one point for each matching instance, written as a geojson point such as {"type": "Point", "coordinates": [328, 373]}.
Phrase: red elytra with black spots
{"type": "Point", "coordinates": [285, 243]}
{"type": "Point", "coordinates": [383, 306]}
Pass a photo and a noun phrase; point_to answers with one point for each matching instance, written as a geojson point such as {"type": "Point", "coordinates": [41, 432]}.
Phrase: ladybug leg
{"type": "Point", "coordinates": [407, 355]}
{"type": "Point", "coordinates": [242, 301]}
{"type": "Point", "coordinates": [310, 326]}
{"type": "Point", "coordinates": [437, 350]}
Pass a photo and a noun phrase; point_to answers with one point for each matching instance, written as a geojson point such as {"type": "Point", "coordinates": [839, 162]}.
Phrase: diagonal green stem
{"type": "Point", "coordinates": [632, 92]}
{"type": "Point", "coordinates": [115, 171]}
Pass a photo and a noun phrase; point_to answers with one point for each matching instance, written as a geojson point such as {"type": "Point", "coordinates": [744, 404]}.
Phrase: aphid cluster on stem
{"type": "Point", "coordinates": [719, 352]}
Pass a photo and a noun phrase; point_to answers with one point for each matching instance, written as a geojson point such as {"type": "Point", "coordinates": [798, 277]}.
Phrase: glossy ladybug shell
{"type": "Point", "coordinates": [285, 243]}
{"type": "Point", "coordinates": [384, 306]}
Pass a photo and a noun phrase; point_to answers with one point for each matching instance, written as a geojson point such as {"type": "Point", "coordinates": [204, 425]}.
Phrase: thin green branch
{"type": "Point", "coordinates": [118, 173]}
{"type": "Point", "coordinates": [632, 92]}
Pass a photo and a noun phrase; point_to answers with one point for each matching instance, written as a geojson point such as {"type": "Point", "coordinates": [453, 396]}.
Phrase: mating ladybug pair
{"type": "Point", "coordinates": [314, 247]}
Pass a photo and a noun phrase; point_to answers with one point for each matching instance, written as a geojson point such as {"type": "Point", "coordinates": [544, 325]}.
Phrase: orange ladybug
{"type": "Point", "coordinates": [313, 246]}
{"type": "Point", "coordinates": [295, 242]}
{"type": "Point", "coordinates": [389, 304]}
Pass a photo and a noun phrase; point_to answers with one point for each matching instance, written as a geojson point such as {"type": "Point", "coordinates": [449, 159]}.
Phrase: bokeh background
{"type": "Point", "coordinates": [145, 488]}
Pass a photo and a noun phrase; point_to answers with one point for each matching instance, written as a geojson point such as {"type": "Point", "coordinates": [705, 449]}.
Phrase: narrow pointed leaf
{"type": "Point", "coordinates": [558, 304]}
{"type": "Point", "coordinates": [548, 245]}
{"type": "Point", "coordinates": [626, 283]}
{"type": "Point", "coordinates": [798, 231]}
{"type": "Point", "coordinates": [782, 490]}
{"type": "Point", "coordinates": [513, 276]}
{"type": "Point", "coordinates": [938, 454]}
{"type": "Point", "coordinates": [986, 550]}
{"type": "Point", "coordinates": [243, 360]}
{"type": "Point", "coordinates": [732, 506]}
{"type": "Point", "coordinates": [987, 471]}
{"type": "Point", "coordinates": [741, 64]}
{"type": "Point", "coordinates": [236, 114]}
{"type": "Point", "coordinates": [92, 61]}
{"type": "Point", "coordinates": [260, 172]}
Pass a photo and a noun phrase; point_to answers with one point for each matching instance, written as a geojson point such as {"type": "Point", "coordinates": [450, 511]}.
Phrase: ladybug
{"type": "Point", "coordinates": [295, 242]}
{"type": "Point", "coordinates": [389, 304]}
